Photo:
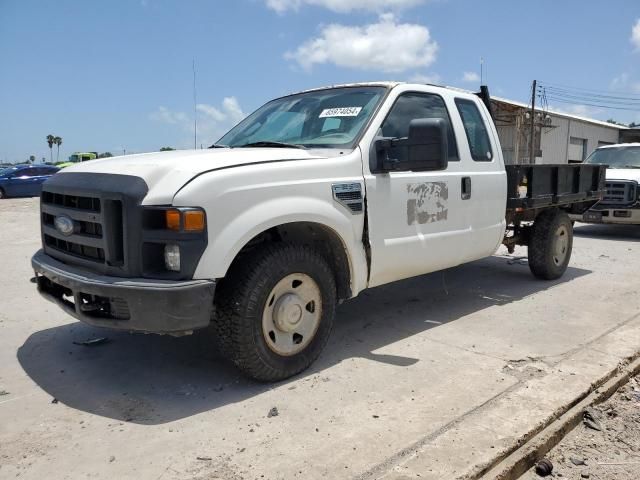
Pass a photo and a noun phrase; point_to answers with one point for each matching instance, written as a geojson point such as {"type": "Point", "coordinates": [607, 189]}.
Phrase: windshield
{"type": "Point", "coordinates": [616, 157]}
{"type": "Point", "coordinates": [331, 118]}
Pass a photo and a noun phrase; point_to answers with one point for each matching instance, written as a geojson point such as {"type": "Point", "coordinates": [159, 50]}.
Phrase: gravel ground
{"type": "Point", "coordinates": [613, 453]}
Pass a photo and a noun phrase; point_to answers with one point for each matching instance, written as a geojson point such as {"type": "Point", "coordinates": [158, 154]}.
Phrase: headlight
{"type": "Point", "coordinates": [172, 257]}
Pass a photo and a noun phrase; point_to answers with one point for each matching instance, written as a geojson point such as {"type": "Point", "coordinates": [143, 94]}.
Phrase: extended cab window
{"type": "Point", "coordinates": [476, 130]}
{"type": "Point", "coordinates": [411, 106]}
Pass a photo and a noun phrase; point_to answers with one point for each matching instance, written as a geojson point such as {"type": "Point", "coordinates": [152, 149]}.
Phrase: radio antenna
{"type": "Point", "coordinates": [195, 109]}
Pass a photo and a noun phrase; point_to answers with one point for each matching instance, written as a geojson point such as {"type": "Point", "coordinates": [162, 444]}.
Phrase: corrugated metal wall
{"type": "Point", "coordinates": [555, 138]}
{"type": "Point", "coordinates": [555, 141]}
{"type": "Point", "coordinates": [507, 135]}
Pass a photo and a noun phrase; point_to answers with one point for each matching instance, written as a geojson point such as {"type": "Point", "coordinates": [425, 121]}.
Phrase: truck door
{"type": "Point", "coordinates": [486, 178]}
{"type": "Point", "coordinates": [418, 222]}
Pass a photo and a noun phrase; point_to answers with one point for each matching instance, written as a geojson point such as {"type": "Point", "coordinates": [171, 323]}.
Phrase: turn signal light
{"type": "Point", "coordinates": [173, 220]}
{"type": "Point", "coordinates": [193, 221]}
{"type": "Point", "coordinates": [185, 220]}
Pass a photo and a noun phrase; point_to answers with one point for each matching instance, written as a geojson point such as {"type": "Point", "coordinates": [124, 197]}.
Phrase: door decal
{"type": "Point", "coordinates": [427, 202]}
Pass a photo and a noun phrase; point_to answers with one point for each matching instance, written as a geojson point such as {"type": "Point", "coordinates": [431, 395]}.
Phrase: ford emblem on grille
{"type": "Point", "coordinates": [64, 225]}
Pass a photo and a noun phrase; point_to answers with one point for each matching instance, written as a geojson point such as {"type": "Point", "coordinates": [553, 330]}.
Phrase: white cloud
{"type": "Point", "coordinates": [583, 110]}
{"type": "Point", "coordinates": [386, 46]}
{"type": "Point", "coordinates": [624, 83]}
{"type": "Point", "coordinates": [432, 78]}
{"type": "Point", "coordinates": [635, 35]}
{"type": "Point", "coordinates": [213, 121]}
{"type": "Point", "coordinates": [470, 77]}
{"type": "Point", "coordinates": [164, 115]}
{"type": "Point", "coordinates": [344, 6]}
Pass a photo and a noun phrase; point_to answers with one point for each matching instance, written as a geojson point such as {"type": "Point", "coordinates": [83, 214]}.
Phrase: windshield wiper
{"type": "Point", "coordinates": [272, 144]}
{"type": "Point", "coordinates": [629, 166]}
{"type": "Point", "coordinates": [215, 145]}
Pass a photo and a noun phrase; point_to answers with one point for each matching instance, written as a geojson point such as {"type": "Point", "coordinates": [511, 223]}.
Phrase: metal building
{"type": "Point", "coordinates": [558, 137]}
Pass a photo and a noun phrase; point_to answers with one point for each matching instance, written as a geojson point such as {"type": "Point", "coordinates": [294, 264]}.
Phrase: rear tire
{"type": "Point", "coordinates": [274, 311]}
{"type": "Point", "coordinates": [550, 244]}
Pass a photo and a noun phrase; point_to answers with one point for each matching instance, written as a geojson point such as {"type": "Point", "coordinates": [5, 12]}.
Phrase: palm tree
{"type": "Point", "coordinates": [50, 139]}
{"type": "Point", "coordinates": [57, 141]}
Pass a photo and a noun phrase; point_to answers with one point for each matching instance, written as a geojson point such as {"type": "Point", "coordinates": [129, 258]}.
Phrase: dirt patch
{"type": "Point", "coordinates": [610, 453]}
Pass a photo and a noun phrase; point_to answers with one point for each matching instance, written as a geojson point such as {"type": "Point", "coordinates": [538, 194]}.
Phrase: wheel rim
{"type": "Point", "coordinates": [292, 313]}
{"type": "Point", "coordinates": [561, 245]}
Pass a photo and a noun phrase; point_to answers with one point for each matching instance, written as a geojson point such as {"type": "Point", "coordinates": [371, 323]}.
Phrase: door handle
{"type": "Point", "coordinates": [466, 188]}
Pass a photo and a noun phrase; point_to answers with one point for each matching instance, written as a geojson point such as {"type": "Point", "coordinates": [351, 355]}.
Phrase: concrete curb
{"type": "Point", "coordinates": [519, 461]}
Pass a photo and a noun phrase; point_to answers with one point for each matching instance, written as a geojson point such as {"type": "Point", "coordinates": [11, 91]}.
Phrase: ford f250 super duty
{"type": "Point", "coordinates": [311, 199]}
{"type": "Point", "coordinates": [621, 202]}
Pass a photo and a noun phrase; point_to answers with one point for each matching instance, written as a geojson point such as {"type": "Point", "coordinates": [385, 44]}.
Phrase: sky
{"type": "Point", "coordinates": [117, 75]}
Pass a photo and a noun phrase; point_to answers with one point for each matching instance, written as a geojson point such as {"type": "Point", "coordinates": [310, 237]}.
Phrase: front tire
{"type": "Point", "coordinates": [550, 244]}
{"type": "Point", "coordinates": [274, 311]}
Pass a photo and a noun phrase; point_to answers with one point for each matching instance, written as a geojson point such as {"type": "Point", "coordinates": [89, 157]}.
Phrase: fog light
{"type": "Point", "coordinates": [172, 257]}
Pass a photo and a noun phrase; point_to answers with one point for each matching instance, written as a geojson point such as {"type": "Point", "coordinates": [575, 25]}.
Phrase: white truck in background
{"type": "Point", "coordinates": [311, 199]}
{"type": "Point", "coordinates": [621, 202]}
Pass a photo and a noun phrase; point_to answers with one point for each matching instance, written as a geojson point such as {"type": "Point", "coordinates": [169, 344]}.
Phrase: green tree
{"type": "Point", "coordinates": [167, 149]}
{"type": "Point", "coordinates": [634, 125]}
{"type": "Point", "coordinates": [50, 141]}
{"type": "Point", "coordinates": [57, 141]}
{"type": "Point", "coordinates": [32, 159]}
{"type": "Point", "coordinates": [105, 155]}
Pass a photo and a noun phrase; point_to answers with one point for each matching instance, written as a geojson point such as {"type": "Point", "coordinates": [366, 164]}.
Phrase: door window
{"type": "Point", "coordinates": [412, 106]}
{"type": "Point", "coordinates": [25, 172]}
{"type": "Point", "coordinates": [476, 130]}
{"type": "Point", "coordinates": [31, 172]}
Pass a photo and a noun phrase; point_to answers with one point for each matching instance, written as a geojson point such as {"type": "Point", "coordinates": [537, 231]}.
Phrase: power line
{"type": "Point", "coordinates": [606, 98]}
{"type": "Point", "coordinates": [557, 85]}
{"type": "Point", "coordinates": [575, 102]}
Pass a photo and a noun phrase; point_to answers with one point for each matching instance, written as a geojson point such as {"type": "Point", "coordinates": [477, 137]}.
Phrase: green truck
{"type": "Point", "coordinates": [78, 157]}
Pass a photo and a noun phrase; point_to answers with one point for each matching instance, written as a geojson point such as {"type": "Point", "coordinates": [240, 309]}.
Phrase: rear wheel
{"type": "Point", "coordinates": [550, 244]}
{"type": "Point", "coordinates": [274, 311]}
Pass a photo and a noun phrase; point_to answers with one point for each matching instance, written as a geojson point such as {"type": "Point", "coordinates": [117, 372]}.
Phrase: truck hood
{"type": "Point", "coordinates": [623, 174]}
{"type": "Point", "coordinates": [166, 172]}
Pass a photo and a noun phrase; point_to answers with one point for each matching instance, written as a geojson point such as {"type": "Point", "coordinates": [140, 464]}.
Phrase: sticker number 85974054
{"type": "Point", "coordinates": [340, 112]}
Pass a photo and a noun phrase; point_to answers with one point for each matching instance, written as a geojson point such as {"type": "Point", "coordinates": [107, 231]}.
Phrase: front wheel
{"type": "Point", "coordinates": [550, 244]}
{"type": "Point", "coordinates": [274, 311]}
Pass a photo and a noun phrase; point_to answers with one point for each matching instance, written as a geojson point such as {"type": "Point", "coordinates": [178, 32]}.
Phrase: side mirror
{"type": "Point", "coordinates": [425, 149]}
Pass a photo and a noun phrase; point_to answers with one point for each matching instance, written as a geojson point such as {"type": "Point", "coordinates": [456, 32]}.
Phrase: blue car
{"type": "Point", "coordinates": [24, 180]}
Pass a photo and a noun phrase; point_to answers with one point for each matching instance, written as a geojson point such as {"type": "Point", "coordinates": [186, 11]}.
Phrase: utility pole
{"type": "Point", "coordinates": [533, 120]}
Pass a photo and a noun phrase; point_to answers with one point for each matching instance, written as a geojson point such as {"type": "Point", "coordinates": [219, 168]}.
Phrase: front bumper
{"type": "Point", "coordinates": [629, 215]}
{"type": "Point", "coordinates": [155, 306]}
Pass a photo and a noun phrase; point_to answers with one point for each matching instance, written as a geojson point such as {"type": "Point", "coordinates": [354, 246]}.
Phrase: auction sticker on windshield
{"type": "Point", "coordinates": [341, 112]}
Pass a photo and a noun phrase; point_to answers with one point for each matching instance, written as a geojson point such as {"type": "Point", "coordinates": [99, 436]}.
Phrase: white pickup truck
{"type": "Point", "coordinates": [311, 199]}
{"type": "Point", "coordinates": [621, 202]}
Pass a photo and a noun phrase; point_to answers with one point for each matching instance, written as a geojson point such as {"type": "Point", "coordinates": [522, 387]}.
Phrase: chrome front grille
{"type": "Point", "coordinates": [620, 192]}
